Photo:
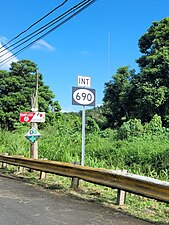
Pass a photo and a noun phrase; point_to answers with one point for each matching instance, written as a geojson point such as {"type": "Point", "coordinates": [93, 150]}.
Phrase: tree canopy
{"type": "Point", "coordinates": [16, 89]}
{"type": "Point", "coordinates": [143, 95]}
{"type": "Point", "coordinates": [115, 97]}
{"type": "Point", "coordinates": [154, 71]}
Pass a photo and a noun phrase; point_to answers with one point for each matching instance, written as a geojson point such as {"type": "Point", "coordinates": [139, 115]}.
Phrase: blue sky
{"type": "Point", "coordinates": [95, 43]}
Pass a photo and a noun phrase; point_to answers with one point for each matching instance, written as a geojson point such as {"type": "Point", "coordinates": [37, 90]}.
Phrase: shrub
{"type": "Point", "coordinates": [130, 128]}
{"type": "Point", "coordinates": [154, 126]}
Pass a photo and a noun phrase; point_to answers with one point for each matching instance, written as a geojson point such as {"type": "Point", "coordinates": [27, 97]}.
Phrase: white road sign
{"type": "Point", "coordinates": [84, 81]}
{"type": "Point", "coordinates": [83, 96]}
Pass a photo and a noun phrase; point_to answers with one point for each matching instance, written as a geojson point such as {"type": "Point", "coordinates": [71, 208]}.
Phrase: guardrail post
{"type": "Point", "coordinates": [21, 168]}
{"type": "Point", "coordinates": [42, 174]}
{"type": "Point", "coordinates": [75, 181]}
{"type": "Point", "coordinates": [121, 195]}
{"type": "Point", "coordinates": [4, 165]}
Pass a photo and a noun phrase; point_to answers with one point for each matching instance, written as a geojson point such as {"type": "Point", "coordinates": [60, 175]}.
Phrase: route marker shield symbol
{"type": "Point", "coordinates": [32, 135]}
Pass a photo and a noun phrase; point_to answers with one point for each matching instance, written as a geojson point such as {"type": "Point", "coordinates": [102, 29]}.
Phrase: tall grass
{"type": "Point", "coordinates": [146, 155]}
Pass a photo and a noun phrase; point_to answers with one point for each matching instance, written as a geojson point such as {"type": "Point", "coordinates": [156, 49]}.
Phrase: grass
{"type": "Point", "coordinates": [146, 155]}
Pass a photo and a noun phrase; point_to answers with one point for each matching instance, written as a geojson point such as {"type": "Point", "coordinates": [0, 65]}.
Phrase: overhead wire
{"type": "Point", "coordinates": [82, 7]}
{"type": "Point", "coordinates": [32, 25]}
{"type": "Point", "coordinates": [41, 29]}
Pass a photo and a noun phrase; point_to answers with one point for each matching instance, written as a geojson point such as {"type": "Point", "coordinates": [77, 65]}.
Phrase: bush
{"type": "Point", "coordinates": [131, 128]}
{"type": "Point", "coordinates": [154, 126]}
{"type": "Point", "coordinates": [91, 125]}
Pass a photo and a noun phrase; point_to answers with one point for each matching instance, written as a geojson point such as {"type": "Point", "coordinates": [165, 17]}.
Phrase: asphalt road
{"type": "Point", "coordinates": [25, 204]}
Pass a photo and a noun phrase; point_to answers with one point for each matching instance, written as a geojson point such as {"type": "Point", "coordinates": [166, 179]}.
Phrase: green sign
{"type": "Point", "coordinates": [32, 135]}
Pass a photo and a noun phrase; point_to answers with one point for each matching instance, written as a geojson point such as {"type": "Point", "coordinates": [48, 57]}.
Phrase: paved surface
{"type": "Point", "coordinates": [24, 204]}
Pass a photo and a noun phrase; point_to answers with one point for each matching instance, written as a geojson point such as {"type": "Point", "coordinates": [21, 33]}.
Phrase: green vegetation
{"type": "Point", "coordinates": [137, 148]}
{"type": "Point", "coordinates": [16, 89]}
{"type": "Point", "coordinates": [129, 95]}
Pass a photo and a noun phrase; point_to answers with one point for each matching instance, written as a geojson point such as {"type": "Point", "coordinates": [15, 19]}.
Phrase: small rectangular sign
{"type": "Point", "coordinates": [84, 81]}
{"type": "Point", "coordinates": [32, 117]}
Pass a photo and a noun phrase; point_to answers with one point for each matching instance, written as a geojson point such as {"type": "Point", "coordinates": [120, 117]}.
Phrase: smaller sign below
{"type": "Point", "coordinates": [84, 81]}
{"type": "Point", "coordinates": [32, 117]}
{"type": "Point", "coordinates": [32, 135]}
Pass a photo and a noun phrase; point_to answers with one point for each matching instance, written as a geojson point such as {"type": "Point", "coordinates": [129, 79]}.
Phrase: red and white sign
{"type": "Point", "coordinates": [32, 117]}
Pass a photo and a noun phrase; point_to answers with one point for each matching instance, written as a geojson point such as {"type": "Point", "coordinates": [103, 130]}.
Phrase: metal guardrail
{"type": "Point", "coordinates": [136, 184]}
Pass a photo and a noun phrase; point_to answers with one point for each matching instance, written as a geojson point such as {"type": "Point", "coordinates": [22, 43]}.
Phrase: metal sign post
{"type": "Point", "coordinates": [83, 136]}
{"type": "Point", "coordinates": [85, 97]}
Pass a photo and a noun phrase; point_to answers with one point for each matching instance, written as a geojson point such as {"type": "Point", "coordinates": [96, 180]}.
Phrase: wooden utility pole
{"type": "Point", "coordinates": [34, 107]}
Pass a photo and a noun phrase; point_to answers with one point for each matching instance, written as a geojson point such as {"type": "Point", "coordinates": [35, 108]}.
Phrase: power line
{"type": "Point", "coordinates": [24, 31]}
{"type": "Point", "coordinates": [89, 2]}
{"type": "Point", "coordinates": [41, 29]}
{"type": "Point", "coordinates": [62, 16]}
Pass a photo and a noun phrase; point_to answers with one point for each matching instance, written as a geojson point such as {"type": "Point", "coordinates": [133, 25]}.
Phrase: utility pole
{"type": "Point", "coordinates": [34, 107]}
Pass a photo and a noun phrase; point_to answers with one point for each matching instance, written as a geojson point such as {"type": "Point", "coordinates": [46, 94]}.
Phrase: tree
{"type": "Point", "coordinates": [153, 86]}
{"type": "Point", "coordinates": [143, 95]}
{"type": "Point", "coordinates": [16, 89]}
{"type": "Point", "coordinates": [96, 114]}
{"type": "Point", "coordinates": [116, 102]}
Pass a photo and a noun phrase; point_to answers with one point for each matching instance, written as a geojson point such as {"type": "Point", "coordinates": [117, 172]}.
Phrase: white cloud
{"type": "Point", "coordinates": [41, 44]}
{"type": "Point", "coordinates": [5, 55]}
